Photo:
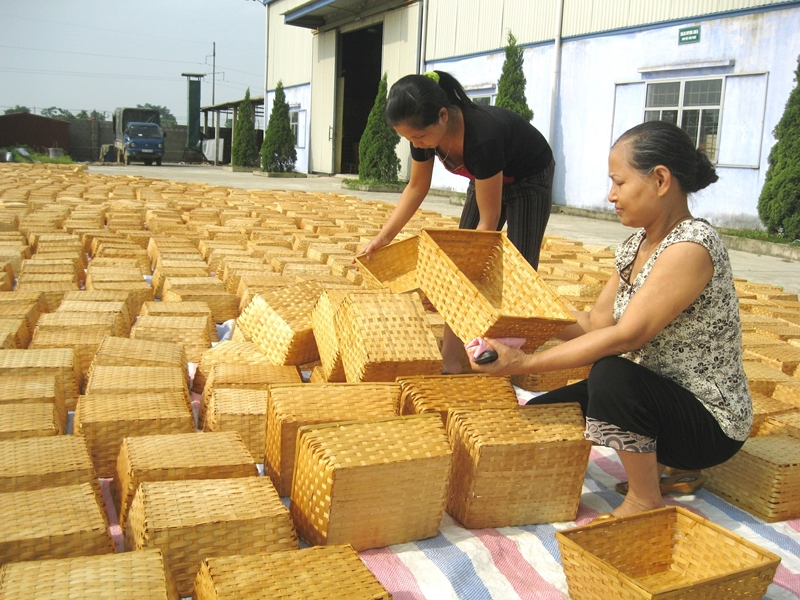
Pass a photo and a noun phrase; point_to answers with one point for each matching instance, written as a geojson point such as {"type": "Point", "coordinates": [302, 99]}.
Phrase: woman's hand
{"type": "Point", "coordinates": [379, 241]}
{"type": "Point", "coordinates": [510, 361]}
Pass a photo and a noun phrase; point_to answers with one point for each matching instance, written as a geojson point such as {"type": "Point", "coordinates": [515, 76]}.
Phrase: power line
{"type": "Point", "coordinates": [51, 51]}
{"type": "Point", "coordinates": [80, 74]}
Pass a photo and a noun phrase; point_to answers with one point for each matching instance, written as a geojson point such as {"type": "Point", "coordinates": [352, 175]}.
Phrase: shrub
{"type": "Point", "coordinates": [377, 158]}
{"type": "Point", "coordinates": [244, 152]}
{"type": "Point", "coordinates": [779, 203]}
{"type": "Point", "coordinates": [278, 154]}
{"type": "Point", "coordinates": [511, 86]}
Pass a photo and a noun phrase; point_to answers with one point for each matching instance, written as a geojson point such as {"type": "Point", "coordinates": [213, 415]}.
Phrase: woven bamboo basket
{"type": "Point", "coordinates": [106, 323]}
{"type": "Point", "coordinates": [189, 332]}
{"type": "Point", "coordinates": [783, 357]}
{"type": "Point", "coordinates": [59, 362]}
{"type": "Point", "coordinates": [140, 292]}
{"type": "Point", "coordinates": [53, 292]}
{"type": "Point", "coordinates": [763, 379]}
{"type": "Point", "coordinates": [516, 466]}
{"type": "Point", "coordinates": [323, 324]}
{"type": "Point", "coordinates": [763, 478]}
{"type": "Point", "coordinates": [129, 576]}
{"type": "Point", "coordinates": [279, 323]}
{"type": "Point", "coordinates": [316, 573]}
{"type": "Point", "coordinates": [241, 410]}
{"type": "Point", "coordinates": [104, 420]}
{"type": "Point", "coordinates": [54, 265]}
{"type": "Point", "coordinates": [439, 393]}
{"type": "Point", "coordinates": [16, 328]}
{"type": "Point", "coordinates": [347, 477]}
{"type": "Point", "coordinates": [764, 407]}
{"type": "Point", "coordinates": [665, 553]}
{"type": "Point", "coordinates": [35, 389]}
{"type": "Point", "coordinates": [34, 278]}
{"type": "Point", "coordinates": [122, 352]}
{"type": "Point", "coordinates": [28, 310]}
{"type": "Point", "coordinates": [178, 456]}
{"type": "Point", "coordinates": [182, 309]}
{"type": "Point", "coordinates": [393, 267]}
{"type": "Point", "coordinates": [230, 352]}
{"type": "Point", "coordinates": [191, 269]}
{"type": "Point", "coordinates": [17, 300]}
{"type": "Point", "coordinates": [385, 336]}
{"type": "Point", "coordinates": [184, 283]}
{"type": "Point", "coordinates": [194, 520]}
{"type": "Point", "coordinates": [483, 286]}
{"type": "Point", "coordinates": [290, 407]}
{"type": "Point", "coordinates": [224, 306]}
{"type": "Point", "coordinates": [244, 376]}
{"type": "Point", "coordinates": [33, 529]}
{"type": "Point", "coordinates": [105, 296]}
{"type": "Point", "coordinates": [788, 392]}
{"type": "Point", "coordinates": [130, 380]}
{"type": "Point", "coordinates": [84, 343]}
{"type": "Point", "coordinates": [551, 380]}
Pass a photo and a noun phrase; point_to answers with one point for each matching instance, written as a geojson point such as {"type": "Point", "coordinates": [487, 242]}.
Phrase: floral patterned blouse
{"type": "Point", "coordinates": [701, 349]}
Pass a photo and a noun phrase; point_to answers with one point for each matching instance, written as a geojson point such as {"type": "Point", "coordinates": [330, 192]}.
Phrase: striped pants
{"type": "Point", "coordinates": [526, 207]}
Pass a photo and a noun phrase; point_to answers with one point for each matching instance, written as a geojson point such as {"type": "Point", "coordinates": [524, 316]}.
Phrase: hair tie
{"type": "Point", "coordinates": [433, 75]}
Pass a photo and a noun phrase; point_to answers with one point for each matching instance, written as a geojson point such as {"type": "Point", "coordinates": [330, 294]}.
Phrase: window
{"type": "Point", "coordinates": [297, 121]}
{"type": "Point", "coordinates": [482, 100]}
{"type": "Point", "coordinates": [694, 105]}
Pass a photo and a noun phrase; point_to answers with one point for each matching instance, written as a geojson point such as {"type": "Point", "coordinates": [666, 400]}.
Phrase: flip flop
{"type": "Point", "coordinates": [686, 482]}
{"type": "Point", "coordinates": [604, 517]}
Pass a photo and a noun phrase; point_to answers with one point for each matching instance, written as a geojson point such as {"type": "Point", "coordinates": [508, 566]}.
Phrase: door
{"type": "Point", "coordinates": [323, 102]}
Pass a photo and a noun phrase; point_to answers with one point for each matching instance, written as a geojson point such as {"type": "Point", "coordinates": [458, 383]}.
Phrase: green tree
{"type": "Point", "coordinates": [17, 109]}
{"type": "Point", "coordinates": [58, 113]}
{"type": "Point", "coordinates": [511, 86]}
{"type": "Point", "coordinates": [779, 202]}
{"type": "Point", "coordinates": [244, 151]}
{"type": "Point", "coordinates": [377, 158]}
{"type": "Point", "coordinates": [167, 118]}
{"type": "Point", "coordinates": [278, 153]}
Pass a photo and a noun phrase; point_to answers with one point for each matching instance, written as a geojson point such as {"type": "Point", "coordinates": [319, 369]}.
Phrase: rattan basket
{"type": "Point", "coordinates": [224, 306]}
{"type": "Point", "coordinates": [33, 527]}
{"type": "Point", "coordinates": [129, 576]}
{"type": "Point", "coordinates": [665, 553]}
{"type": "Point", "coordinates": [516, 466]}
{"type": "Point", "coordinates": [53, 292]}
{"type": "Point", "coordinates": [194, 520]}
{"type": "Point", "coordinates": [119, 309]}
{"type": "Point", "coordinates": [28, 310]}
{"type": "Point", "coordinates": [189, 332]}
{"type": "Point", "coordinates": [241, 410]}
{"type": "Point", "coordinates": [764, 407]}
{"type": "Point", "coordinates": [316, 573]}
{"type": "Point", "coordinates": [35, 389]}
{"type": "Point", "coordinates": [19, 421]}
{"type": "Point", "coordinates": [293, 406]}
{"type": "Point", "coordinates": [392, 267]}
{"type": "Point", "coordinates": [178, 456]}
{"type": "Point", "coordinates": [279, 323]}
{"type": "Point", "coordinates": [385, 336]}
{"type": "Point", "coordinates": [370, 483]}
{"type": "Point", "coordinates": [104, 420]}
{"type": "Point", "coordinates": [130, 380]}
{"type": "Point", "coordinates": [228, 351]}
{"type": "Point", "coordinates": [439, 393]}
{"type": "Point", "coordinates": [105, 323]}
{"type": "Point", "coordinates": [483, 286]}
{"type": "Point", "coordinates": [139, 291]}
{"type": "Point", "coordinates": [122, 352]}
{"type": "Point", "coordinates": [84, 343]}
{"type": "Point", "coordinates": [16, 328]}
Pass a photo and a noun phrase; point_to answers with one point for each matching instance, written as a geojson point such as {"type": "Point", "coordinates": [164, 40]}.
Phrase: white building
{"type": "Point", "coordinates": [722, 69]}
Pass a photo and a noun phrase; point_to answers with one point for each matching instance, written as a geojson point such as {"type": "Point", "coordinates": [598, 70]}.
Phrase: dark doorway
{"type": "Point", "coordinates": [359, 75]}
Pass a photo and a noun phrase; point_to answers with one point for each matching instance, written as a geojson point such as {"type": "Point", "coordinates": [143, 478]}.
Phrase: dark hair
{"type": "Point", "coordinates": [656, 143]}
{"type": "Point", "coordinates": [417, 99]}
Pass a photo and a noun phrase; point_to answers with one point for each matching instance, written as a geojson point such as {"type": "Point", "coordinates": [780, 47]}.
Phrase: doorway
{"type": "Point", "coordinates": [359, 77]}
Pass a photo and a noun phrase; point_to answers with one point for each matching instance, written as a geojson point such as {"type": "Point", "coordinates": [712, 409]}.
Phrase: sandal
{"type": "Point", "coordinates": [686, 482]}
{"type": "Point", "coordinates": [604, 517]}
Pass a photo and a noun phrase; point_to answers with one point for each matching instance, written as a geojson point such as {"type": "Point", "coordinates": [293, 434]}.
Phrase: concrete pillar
{"type": "Point", "coordinates": [216, 139]}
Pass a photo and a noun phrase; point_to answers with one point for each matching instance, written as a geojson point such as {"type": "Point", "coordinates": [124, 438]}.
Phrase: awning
{"type": "Point", "coordinates": [318, 13]}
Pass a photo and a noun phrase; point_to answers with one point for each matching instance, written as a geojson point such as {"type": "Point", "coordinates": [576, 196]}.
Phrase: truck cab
{"type": "Point", "coordinates": [143, 142]}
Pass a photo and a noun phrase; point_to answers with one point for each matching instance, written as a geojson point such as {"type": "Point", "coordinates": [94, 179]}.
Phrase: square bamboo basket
{"type": "Point", "coordinates": [241, 410]}
{"type": "Point", "coordinates": [131, 380]}
{"type": "Point", "coordinates": [323, 324]}
{"type": "Point", "coordinates": [244, 376]}
{"type": "Point", "coordinates": [316, 573]}
{"type": "Point", "coordinates": [182, 309]}
{"type": "Point", "coordinates": [53, 292]}
{"type": "Point", "coordinates": [516, 466]}
{"type": "Point", "coordinates": [483, 286]}
{"type": "Point", "coordinates": [228, 352]}
{"type": "Point", "coordinates": [439, 393]}
{"type": "Point", "coordinates": [35, 389]}
{"type": "Point", "coordinates": [763, 477]}
{"type": "Point", "coordinates": [104, 420]}
{"type": "Point", "coordinates": [190, 332]}
{"type": "Point", "coordinates": [16, 327]}
{"type": "Point", "coordinates": [84, 343]}
{"type": "Point", "coordinates": [348, 477]}
{"type": "Point", "coordinates": [125, 352]}
{"type": "Point", "coordinates": [392, 267]}
{"type": "Point", "coordinates": [139, 291]}
{"type": "Point", "coordinates": [66, 321]}
{"type": "Point", "coordinates": [19, 421]}
{"type": "Point", "coordinates": [28, 310]}
{"type": "Point", "coordinates": [764, 407]}
{"type": "Point", "coordinates": [196, 519]}
{"type": "Point", "coordinates": [385, 336]}
{"type": "Point", "coordinates": [33, 529]}
{"type": "Point", "coordinates": [279, 323]}
{"type": "Point", "coordinates": [224, 305]}
{"type": "Point", "coordinates": [290, 407]}
{"type": "Point", "coordinates": [119, 309]}
{"type": "Point", "coordinates": [664, 553]}
{"type": "Point", "coordinates": [129, 576]}
{"type": "Point", "coordinates": [178, 456]}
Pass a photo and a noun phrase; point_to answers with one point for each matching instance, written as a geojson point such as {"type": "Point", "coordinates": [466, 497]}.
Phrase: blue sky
{"type": "Point", "coordinates": [101, 54]}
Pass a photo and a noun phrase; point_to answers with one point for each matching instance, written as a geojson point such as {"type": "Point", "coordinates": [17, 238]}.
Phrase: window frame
{"type": "Point", "coordinates": [294, 113]}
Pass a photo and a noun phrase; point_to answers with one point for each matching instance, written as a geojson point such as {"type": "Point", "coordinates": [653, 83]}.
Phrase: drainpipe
{"type": "Point", "coordinates": [556, 72]}
{"type": "Point", "coordinates": [423, 36]}
{"type": "Point", "coordinates": [266, 73]}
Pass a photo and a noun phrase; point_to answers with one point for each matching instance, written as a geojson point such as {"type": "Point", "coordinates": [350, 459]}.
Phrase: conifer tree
{"type": "Point", "coordinates": [244, 151]}
{"type": "Point", "coordinates": [511, 87]}
{"type": "Point", "coordinates": [278, 153]}
{"type": "Point", "coordinates": [779, 203]}
{"type": "Point", "coordinates": [377, 158]}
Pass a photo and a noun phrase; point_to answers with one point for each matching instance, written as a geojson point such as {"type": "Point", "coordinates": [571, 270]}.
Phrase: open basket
{"type": "Point", "coordinates": [483, 287]}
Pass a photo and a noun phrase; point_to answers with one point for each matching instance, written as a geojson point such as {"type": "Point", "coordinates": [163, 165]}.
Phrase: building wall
{"type": "Point", "coordinates": [289, 48]}
{"type": "Point", "coordinates": [299, 99]}
{"type": "Point", "coordinates": [36, 131]}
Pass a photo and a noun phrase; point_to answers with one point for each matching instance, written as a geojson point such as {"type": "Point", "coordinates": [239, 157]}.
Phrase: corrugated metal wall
{"type": "Point", "coordinates": [290, 57]}
{"type": "Point", "coordinates": [463, 27]}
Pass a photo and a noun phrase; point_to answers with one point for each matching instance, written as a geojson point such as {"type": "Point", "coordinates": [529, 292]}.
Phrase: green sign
{"type": "Point", "coordinates": [689, 35]}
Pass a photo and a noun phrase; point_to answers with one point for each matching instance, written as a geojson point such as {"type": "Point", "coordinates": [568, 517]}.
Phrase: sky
{"type": "Point", "coordinates": [102, 54]}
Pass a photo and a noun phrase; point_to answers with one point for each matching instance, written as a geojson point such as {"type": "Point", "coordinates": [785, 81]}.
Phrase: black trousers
{"type": "Point", "coordinates": [526, 207]}
{"type": "Point", "coordinates": [638, 400]}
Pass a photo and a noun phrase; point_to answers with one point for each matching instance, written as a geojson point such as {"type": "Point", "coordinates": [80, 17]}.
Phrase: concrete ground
{"type": "Point", "coordinates": [754, 267]}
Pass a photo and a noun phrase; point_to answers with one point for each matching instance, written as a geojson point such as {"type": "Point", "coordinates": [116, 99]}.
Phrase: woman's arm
{"type": "Point", "coordinates": [677, 278]}
{"type": "Point", "coordinates": [410, 200]}
{"type": "Point", "coordinates": [601, 315]}
{"type": "Point", "coordinates": [489, 196]}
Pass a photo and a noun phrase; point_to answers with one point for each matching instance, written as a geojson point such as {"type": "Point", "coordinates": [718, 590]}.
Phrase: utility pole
{"type": "Point", "coordinates": [213, 70]}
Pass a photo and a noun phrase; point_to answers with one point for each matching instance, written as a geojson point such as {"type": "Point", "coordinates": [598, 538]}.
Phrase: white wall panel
{"type": "Point", "coordinates": [289, 54]}
{"type": "Point", "coordinates": [742, 120]}
{"type": "Point", "coordinates": [323, 103]}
